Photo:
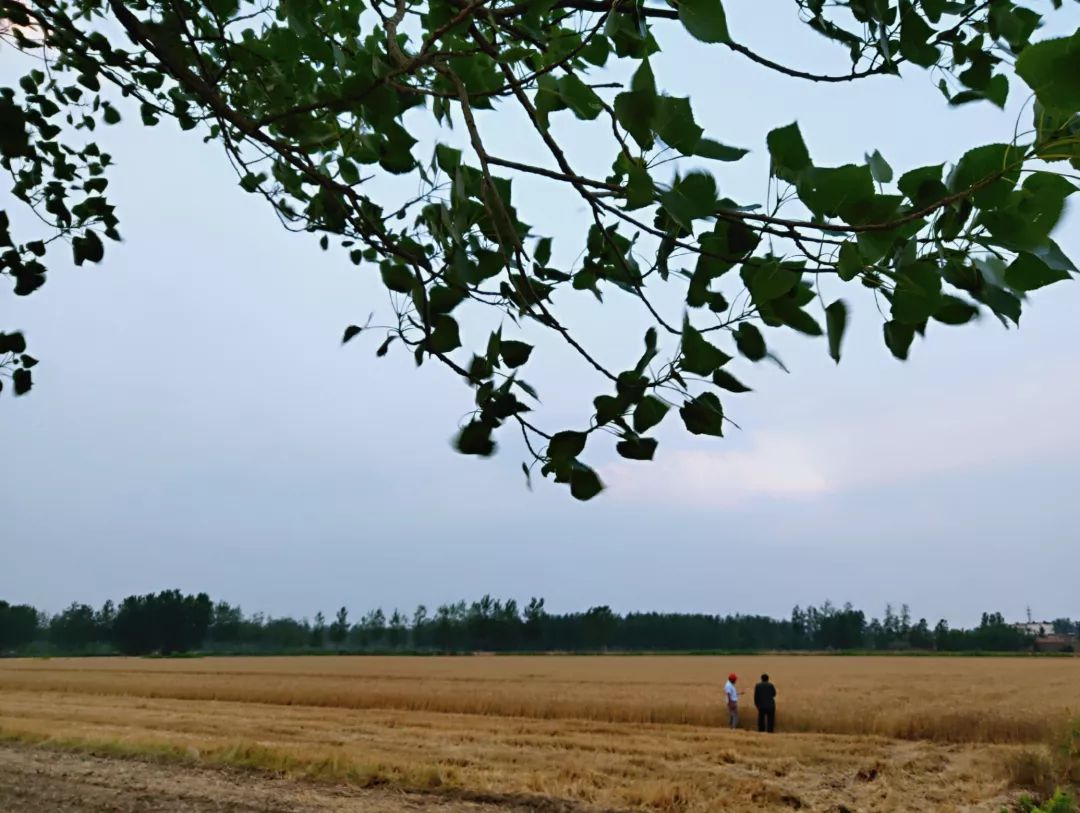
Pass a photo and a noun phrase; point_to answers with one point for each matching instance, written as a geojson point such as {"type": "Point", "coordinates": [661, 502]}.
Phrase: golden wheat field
{"type": "Point", "coordinates": [646, 733]}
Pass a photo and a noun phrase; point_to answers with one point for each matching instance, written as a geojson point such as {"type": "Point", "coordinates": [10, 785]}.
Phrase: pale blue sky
{"type": "Point", "coordinates": [196, 424]}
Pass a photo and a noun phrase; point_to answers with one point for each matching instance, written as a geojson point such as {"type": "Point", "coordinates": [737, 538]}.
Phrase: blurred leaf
{"type": "Point", "coordinates": [515, 353]}
{"type": "Point", "coordinates": [648, 413]}
{"type": "Point", "coordinates": [1051, 68]}
{"type": "Point", "coordinates": [879, 168]}
{"type": "Point", "coordinates": [635, 448]}
{"type": "Point", "coordinates": [704, 19]}
{"type": "Point", "coordinates": [1028, 273]}
{"type": "Point", "coordinates": [565, 446]}
{"type": "Point", "coordinates": [584, 482]}
{"type": "Point", "coordinates": [475, 439]}
{"type": "Point", "coordinates": [704, 415]}
{"type": "Point", "coordinates": [836, 318]}
{"type": "Point", "coordinates": [722, 378]}
{"type": "Point", "coordinates": [750, 342]}
{"type": "Point", "coordinates": [788, 152]}
{"type": "Point", "coordinates": [698, 355]}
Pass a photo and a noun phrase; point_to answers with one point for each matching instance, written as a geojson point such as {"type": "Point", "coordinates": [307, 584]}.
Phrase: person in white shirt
{"type": "Point", "coordinates": [732, 699]}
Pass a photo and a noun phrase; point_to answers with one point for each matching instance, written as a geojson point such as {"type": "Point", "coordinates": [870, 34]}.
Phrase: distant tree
{"type": "Point", "coordinates": [225, 623]}
{"type": "Point", "coordinates": [1064, 626]}
{"type": "Point", "coordinates": [599, 626]}
{"type": "Point", "coordinates": [396, 631]}
{"type": "Point", "coordinates": [75, 629]}
{"type": "Point", "coordinates": [941, 635]}
{"type": "Point", "coordinates": [920, 636]}
{"type": "Point", "coordinates": [105, 619]}
{"type": "Point", "coordinates": [339, 627]}
{"type": "Point", "coordinates": [287, 633]}
{"type": "Point", "coordinates": [535, 616]}
{"type": "Point", "coordinates": [19, 626]}
{"type": "Point", "coordinates": [875, 635]}
{"type": "Point", "coordinates": [840, 629]}
{"type": "Point", "coordinates": [420, 631]}
{"type": "Point", "coordinates": [318, 631]}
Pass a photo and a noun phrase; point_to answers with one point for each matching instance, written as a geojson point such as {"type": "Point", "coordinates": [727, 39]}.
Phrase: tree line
{"type": "Point", "coordinates": [171, 622]}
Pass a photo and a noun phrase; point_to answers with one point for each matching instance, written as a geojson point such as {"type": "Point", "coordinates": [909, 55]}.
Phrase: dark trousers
{"type": "Point", "coordinates": [766, 720]}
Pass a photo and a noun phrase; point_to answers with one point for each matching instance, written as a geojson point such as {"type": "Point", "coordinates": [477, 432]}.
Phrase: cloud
{"type": "Point", "coordinates": [777, 465]}
{"type": "Point", "coordinates": [1006, 420]}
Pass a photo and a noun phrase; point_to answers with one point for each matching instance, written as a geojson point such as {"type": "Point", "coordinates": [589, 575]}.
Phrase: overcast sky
{"type": "Point", "coordinates": [196, 423]}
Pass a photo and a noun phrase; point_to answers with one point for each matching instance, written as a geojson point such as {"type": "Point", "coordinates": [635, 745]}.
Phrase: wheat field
{"type": "Point", "coordinates": [856, 733]}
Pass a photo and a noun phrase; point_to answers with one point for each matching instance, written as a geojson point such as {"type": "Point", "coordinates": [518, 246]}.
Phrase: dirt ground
{"type": "Point", "coordinates": [44, 781]}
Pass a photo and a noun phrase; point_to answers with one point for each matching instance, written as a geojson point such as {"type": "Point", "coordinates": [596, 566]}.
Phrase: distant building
{"type": "Point", "coordinates": [1036, 629]}
{"type": "Point", "coordinates": [1055, 643]}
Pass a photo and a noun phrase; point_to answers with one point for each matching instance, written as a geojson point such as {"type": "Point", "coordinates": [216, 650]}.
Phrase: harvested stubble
{"type": "Point", "coordinates": [616, 732]}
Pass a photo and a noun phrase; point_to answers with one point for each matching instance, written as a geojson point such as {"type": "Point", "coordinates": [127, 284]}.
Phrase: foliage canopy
{"type": "Point", "coordinates": [317, 103]}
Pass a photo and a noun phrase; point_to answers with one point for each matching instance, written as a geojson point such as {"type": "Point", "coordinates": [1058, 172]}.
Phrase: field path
{"type": "Point", "coordinates": [34, 780]}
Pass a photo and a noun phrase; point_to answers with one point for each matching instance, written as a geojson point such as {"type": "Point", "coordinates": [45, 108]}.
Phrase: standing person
{"type": "Point", "coordinates": [765, 701]}
{"type": "Point", "coordinates": [732, 700]}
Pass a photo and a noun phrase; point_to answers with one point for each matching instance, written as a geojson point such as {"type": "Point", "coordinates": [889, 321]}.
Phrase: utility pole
{"type": "Point", "coordinates": [1029, 613]}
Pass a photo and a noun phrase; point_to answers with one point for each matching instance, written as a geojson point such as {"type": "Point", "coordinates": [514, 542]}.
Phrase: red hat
{"type": "Point", "coordinates": [732, 677]}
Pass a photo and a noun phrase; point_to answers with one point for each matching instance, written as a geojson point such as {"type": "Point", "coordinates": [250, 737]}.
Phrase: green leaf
{"type": "Point", "coordinates": [698, 355]}
{"type": "Point", "coordinates": [1028, 273]}
{"type": "Point", "coordinates": [994, 169]}
{"type": "Point", "coordinates": [1051, 68]}
{"type": "Point", "coordinates": [750, 342]}
{"type": "Point", "coordinates": [584, 482]}
{"type": "Point", "coordinates": [707, 148]}
{"type": "Point", "coordinates": [542, 254]}
{"type": "Point", "coordinates": [23, 380]}
{"type": "Point", "coordinates": [915, 36]}
{"type": "Point", "coordinates": [923, 186]}
{"type": "Point", "coordinates": [635, 448]}
{"type": "Point", "coordinates": [791, 314]}
{"type": "Point", "coordinates": [580, 98]}
{"type": "Point", "coordinates": [649, 412]}
{"type": "Point", "coordinates": [515, 353]}
{"type": "Point", "coordinates": [12, 343]}
{"type": "Point", "coordinates": [608, 408]}
{"type": "Point", "coordinates": [722, 378]}
{"type": "Point", "coordinates": [398, 278]}
{"type": "Point", "coordinates": [351, 332]}
{"type": "Point", "coordinates": [850, 262]}
{"type": "Point", "coordinates": [674, 123]}
{"type": "Point", "coordinates": [704, 20]}
{"type": "Point", "coordinates": [87, 247]}
{"type": "Point", "coordinates": [1000, 301]}
{"type": "Point", "coordinates": [833, 191]}
{"type": "Point", "coordinates": [565, 446]}
{"type": "Point", "coordinates": [445, 337]}
{"type": "Point", "coordinates": [28, 361]}
{"type": "Point", "coordinates": [475, 439]}
{"type": "Point", "coordinates": [767, 280]}
{"type": "Point", "coordinates": [549, 97]}
{"type": "Point", "coordinates": [788, 152]}
{"type": "Point", "coordinates": [955, 311]}
{"type": "Point", "coordinates": [917, 294]}
{"type": "Point", "coordinates": [447, 158]}
{"type": "Point", "coordinates": [690, 198]}
{"type": "Point", "coordinates": [879, 168]}
{"type": "Point", "coordinates": [640, 190]}
{"type": "Point", "coordinates": [836, 318]}
{"type": "Point", "coordinates": [635, 109]}
{"type": "Point", "coordinates": [898, 338]}
{"type": "Point", "coordinates": [704, 415]}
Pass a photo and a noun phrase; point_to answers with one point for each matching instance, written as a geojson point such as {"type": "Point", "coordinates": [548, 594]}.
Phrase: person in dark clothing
{"type": "Point", "coordinates": [765, 702]}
